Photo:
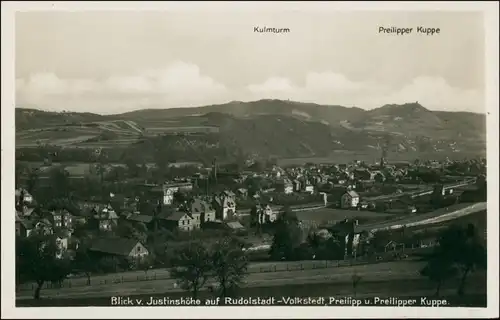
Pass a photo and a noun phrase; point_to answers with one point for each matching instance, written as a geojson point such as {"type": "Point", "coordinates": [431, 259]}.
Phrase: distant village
{"type": "Point", "coordinates": [215, 200]}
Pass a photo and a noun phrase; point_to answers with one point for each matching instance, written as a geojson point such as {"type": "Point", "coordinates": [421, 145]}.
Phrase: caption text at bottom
{"type": "Point", "coordinates": [283, 301]}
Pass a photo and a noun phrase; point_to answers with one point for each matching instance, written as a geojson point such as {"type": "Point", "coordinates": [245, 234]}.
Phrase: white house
{"type": "Point", "coordinates": [27, 197]}
{"type": "Point", "coordinates": [169, 189]}
{"type": "Point", "coordinates": [62, 244]}
{"type": "Point", "coordinates": [224, 205]}
{"type": "Point", "coordinates": [350, 199]}
{"type": "Point", "coordinates": [309, 188]}
{"type": "Point", "coordinates": [262, 214]}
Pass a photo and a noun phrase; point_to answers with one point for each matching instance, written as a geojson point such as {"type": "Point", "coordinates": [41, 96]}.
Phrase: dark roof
{"type": "Point", "coordinates": [234, 225]}
{"type": "Point", "coordinates": [28, 211]}
{"type": "Point", "coordinates": [199, 206]}
{"type": "Point", "coordinates": [140, 218]}
{"type": "Point", "coordinates": [165, 212]}
{"type": "Point", "coordinates": [62, 233]}
{"type": "Point", "coordinates": [158, 189]}
{"type": "Point", "coordinates": [353, 194]}
{"type": "Point", "coordinates": [176, 216]}
{"type": "Point", "coordinates": [115, 246]}
{"type": "Point", "coordinates": [28, 224]}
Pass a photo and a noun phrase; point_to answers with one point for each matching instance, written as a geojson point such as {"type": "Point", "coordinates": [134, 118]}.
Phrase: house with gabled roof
{"type": "Point", "coordinates": [262, 214]}
{"type": "Point", "coordinates": [169, 189]}
{"type": "Point", "coordinates": [242, 192]}
{"type": "Point", "coordinates": [23, 197]}
{"type": "Point", "coordinates": [202, 208]}
{"type": "Point", "coordinates": [350, 199]}
{"type": "Point", "coordinates": [106, 218]}
{"type": "Point", "coordinates": [117, 247]}
{"type": "Point", "coordinates": [62, 219]}
{"type": "Point", "coordinates": [25, 227]}
{"type": "Point", "coordinates": [181, 221]}
{"type": "Point", "coordinates": [137, 217]}
{"type": "Point", "coordinates": [362, 174]}
{"type": "Point", "coordinates": [224, 205]}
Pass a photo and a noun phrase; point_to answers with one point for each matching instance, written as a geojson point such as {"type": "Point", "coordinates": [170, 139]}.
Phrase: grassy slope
{"type": "Point", "coordinates": [265, 128]}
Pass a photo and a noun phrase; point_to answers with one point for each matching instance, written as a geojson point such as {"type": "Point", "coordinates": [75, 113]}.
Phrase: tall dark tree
{"type": "Point", "coordinates": [287, 236]}
{"type": "Point", "coordinates": [83, 262]}
{"type": "Point", "coordinates": [132, 168]}
{"type": "Point", "coordinates": [438, 270]}
{"type": "Point", "coordinates": [133, 231]}
{"type": "Point", "coordinates": [472, 255]}
{"type": "Point", "coordinates": [39, 260]}
{"type": "Point", "coordinates": [192, 265]}
{"type": "Point", "coordinates": [59, 182]}
{"type": "Point", "coordinates": [230, 266]}
{"type": "Point", "coordinates": [355, 278]}
{"type": "Point", "coordinates": [32, 182]}
{"type": "Point", "coordinates": [459, 247]}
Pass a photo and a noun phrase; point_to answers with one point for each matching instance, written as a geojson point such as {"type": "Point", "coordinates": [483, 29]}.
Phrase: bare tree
{"type": "Point", "coordinates": [355, 281]}
{"type": "Point", "coordinates": [192, 267]}
{"type": "Point", "coordinates": [230, 265]}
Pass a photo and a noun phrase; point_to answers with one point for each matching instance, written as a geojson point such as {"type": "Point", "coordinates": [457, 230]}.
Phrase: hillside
{"type": "Point", "coordinates": [33, 118]}
{"type": "Point", "coordinates": [414, 120]}
{"type": "Point", "coordinates": [264, 128]}
{"type": "Point", "coordinates": [333, 115]}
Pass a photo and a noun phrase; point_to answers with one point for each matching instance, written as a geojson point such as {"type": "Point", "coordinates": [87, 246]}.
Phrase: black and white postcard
{"type": "Point", "coordinates": [239, 159]}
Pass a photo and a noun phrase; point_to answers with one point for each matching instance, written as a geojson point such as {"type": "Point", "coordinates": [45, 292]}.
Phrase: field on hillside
{"type": "Point", "coordinates": [107, 134]}
{"type": "Point", "coordinates": [86, 135]}
{"type": "Point", "coordinates": [188, 135]}
{"type": "Point", "coordinates": [56, 136]}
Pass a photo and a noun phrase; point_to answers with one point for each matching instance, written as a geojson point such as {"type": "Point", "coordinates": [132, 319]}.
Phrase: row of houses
{"type": "Point", "coordinates": [188, 216]}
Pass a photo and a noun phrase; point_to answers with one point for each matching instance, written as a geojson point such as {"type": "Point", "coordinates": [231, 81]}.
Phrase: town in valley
{"type": "Point", "coordinates": [108, 226]}
{"type": "Point", "coordinates": [161, 160]}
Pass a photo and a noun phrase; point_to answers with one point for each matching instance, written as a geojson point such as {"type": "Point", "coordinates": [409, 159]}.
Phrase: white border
{"type": "Point", "coordinates": [490, 10]}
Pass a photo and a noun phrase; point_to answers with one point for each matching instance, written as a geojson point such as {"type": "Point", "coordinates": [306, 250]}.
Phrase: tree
{"type": "Point", "coordinates": [438, 270]}
{"type": "Point", "coordinates": [117, 174]}
{"type": "Point", "coordinates": [180, 197]}
{"type": "Point", "coordinates": [146, 263]}
{"type": "Point", "coordinates": [472, 255]}
{"type": "Point", "coordinates": [191, 267]}
{"type": "Point", "coordinates": [355, 281]}
{"type": "Point", "coordinates": [37, 261]}
{"type": "Point", "coordinates": [33, 177]}
{"type": "Point", "coordinates": [132, 168]}
{"type": "Point", "coordinates": [287, 236]}
{"type": "Point", "coordinates": [230, 265]}
{"type": "Point", "coordinates": [59, 182]}
{"type": "Point", "coordinates": [270, 162]}
{"type": "Point", "coordinates": [132, 231]}
{"type": "Point", "coordinates": [462, 247]}
{"type": "Point", "coordinates": [257, 166]}
{"type": "Point", "coordinates": [157, 244]}
{"type": "Point", "coordinates": [84, 263]}
{"type": "Point", "coordinates": [324, 246]}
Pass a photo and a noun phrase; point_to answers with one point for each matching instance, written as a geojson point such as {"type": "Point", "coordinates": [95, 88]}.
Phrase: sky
{"type": "Point", "coordinates": [118, 61]}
